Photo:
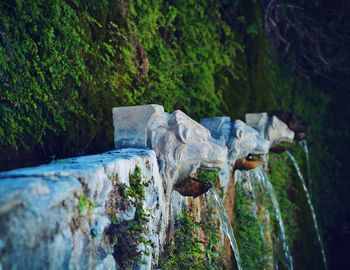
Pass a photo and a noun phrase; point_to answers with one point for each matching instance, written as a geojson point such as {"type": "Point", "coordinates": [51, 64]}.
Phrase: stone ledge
{"type": "Point", "coordinates": [41, 226]}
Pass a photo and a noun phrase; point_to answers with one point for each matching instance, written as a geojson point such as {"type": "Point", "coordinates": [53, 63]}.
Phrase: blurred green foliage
{"type": "Point", "coordinates": [65, 64]}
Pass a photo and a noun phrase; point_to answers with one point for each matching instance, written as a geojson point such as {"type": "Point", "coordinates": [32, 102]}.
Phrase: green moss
{"type": "Point", "coordinates": [136, 190]}
{"type": "Point", "coordinates": [208, 176]}
{"type": "Point", "coordinates": [84, 206]}
{"type": "Point", "coordinates": [76, 61]}
{"type": "Point", "coordinates": [212, 247]}
{"type": "Point", "coordinates": [287, 187]}
{"type": "Point", "coordinates": [127, 236]}
{"type": "Point", "coordinates": [203, 58]}
{"type": "Point", "coordinates": [254, 250]}
{"type": "Point", "coordinates": [186, 251]}
{"type": "Point", "coordinates": [281, 175]}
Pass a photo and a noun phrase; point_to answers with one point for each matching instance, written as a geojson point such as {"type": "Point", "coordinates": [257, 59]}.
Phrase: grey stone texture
{"type": "Point", "coordinates": [41, 226]}
{"type": "Point", "coordinates": [136, 117]}
{"type": "Point", "coordinates": [240, 140]}
{"type": "Point", "coordinates": [272, 128]}
{"type": "Point", "coordinates": [182, 145]}
{"type": "Point", "coordinates": [42, 223]}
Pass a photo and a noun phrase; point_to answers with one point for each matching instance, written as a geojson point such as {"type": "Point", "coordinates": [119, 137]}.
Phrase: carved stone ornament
{"type": "Point", "coordinates": [182, 145]}
{"type": "Point", "coordinates": [272, 128]}
{"type": "Point", "coordinates": [294, 122]}
{"type": "Point", "coordinates": [239, 138]}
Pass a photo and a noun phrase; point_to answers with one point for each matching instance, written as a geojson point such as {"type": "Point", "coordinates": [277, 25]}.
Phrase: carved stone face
{"type": "Point", "coordinates": [247, 140]}
{"type": "Point", "coordinates": [272, 128]}
{"type": "Point", "coordinates": [294, 122]}
{"type": "Point", "coordinates": [277, 132]}
{"type": "Point", "coordinates": [183, 146]}
{"type": "Point", "coordinates": [200, 150]}
{"type": "Point", "coordinates": [239, 138]}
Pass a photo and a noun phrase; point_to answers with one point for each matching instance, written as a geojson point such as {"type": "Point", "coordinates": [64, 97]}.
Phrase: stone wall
{"type": "Point", "coordinates": [56, 216]}
{"type": "Point", "coordinates": [118, 209]}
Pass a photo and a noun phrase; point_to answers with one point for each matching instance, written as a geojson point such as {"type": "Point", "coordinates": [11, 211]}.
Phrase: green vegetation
{"type": "Point", "coordinates": [295, 211]}
{"type": "Point", "coordinates": [211, 230]}
{"type": "Point", "coordinates": [281, 176]}
{"type": "Point", "coordinates": [187, 250]}
{"type": "Point", "coordinates": [257, 233]}
{"type": "Point", "coordinates": [127, 237]}
{"type": "Point", "coordinates": [65, 67]}
{"type": "Point", "coordinates": [137, 187]}
{"type": "Point", "coordinates": [253, 247]}
{"type": "Point", "coordinates": [208, 176]}
{"type": "Point", "coordinates": [84, 206]}
{"type": "Point", "coordinates": [283, 182]}
{"type": "Point", "coordinates": [184, 251]}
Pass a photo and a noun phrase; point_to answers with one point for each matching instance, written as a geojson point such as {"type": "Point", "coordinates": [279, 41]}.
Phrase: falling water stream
{"type": "Point", "coordinates": [303, 144]}
{"type": "Point", "coordinates": [308, 197]}
{"type": "Point", "coordinates": [248, 182]}
{"type": "Point", "coordinates": [268, 186]}
{"type": "Point", "coordinates": [225, 225]}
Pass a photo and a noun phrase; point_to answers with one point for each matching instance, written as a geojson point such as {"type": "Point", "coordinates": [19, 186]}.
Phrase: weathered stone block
{"type": "Point", "coordinates": [45, 222]}
{"type": "Point", "coordinates": [131, 123]}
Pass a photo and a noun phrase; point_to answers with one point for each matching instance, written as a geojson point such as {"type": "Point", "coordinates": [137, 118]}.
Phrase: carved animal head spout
{"type": "Point", "coordinates": [294, 122]}
{"type": "Point", "coordinates": [272, 128]}
{"type": "Point", "coordinates": [182, 145]}
{"type": "Point", "coordinates": [239, 138]}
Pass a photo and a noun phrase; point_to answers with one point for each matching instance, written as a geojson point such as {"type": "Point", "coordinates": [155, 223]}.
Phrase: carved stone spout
{"type": "Point", "coordinates": [294, 122]}
{"type": "Point", "coordinates": [240, 139]}
{"type": "Point", "coordinates": [270, 127]}
{"type": "Point", "coordinates": [182, 145]}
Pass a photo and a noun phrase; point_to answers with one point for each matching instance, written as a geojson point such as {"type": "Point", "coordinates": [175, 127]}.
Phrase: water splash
{"type": "Point", "coordinates": [225, 225]}
{"type": "Point", "coordinates": [303, 144]}
{"type": "Point", "coordinates": [268, 186]}
{"type": "Point", "coordinates": [308, 197]}
{"type": "Point", "coordinates": [249, 180]}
